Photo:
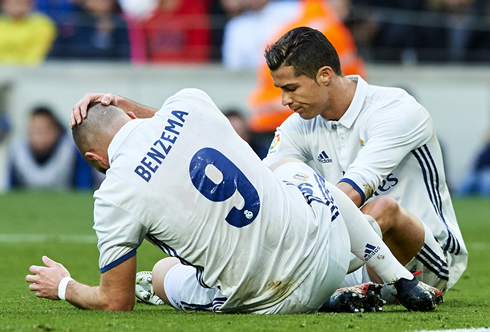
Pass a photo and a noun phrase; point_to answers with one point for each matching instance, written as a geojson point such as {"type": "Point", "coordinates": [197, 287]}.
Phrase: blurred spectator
{"type": "Point", "coordinates": [25, 37]}
{"type": "Point", "coordinates": [220, 15]}
{"type": "Point", "coordinates": [239, 123]}
{"type": "Point", "coordinates": [57, 9]}
{"type": "Point", "coordinates": [409, 31]}
{"type": "Point", "coordinates": [97, 33]}
{"type": "Point", "coordinates": [245, 35]}
{"type": "Point", "coordinates": [477, 182]}
{"type": "Point", "coordinates": [5, 124]}
{"type": "Point", "coordinates": [178, 31]}
{"type": "Point", "coordinates": [48, 158]}
{"type": "Point", "coordinates": [265, 100]}
{"type": "Point", "coordinates": [135, 13]}
{"type": "Point", "coordinates": [465, 31]}
{"type": "Point", "coordinates": [138, 9]}
{"type": "Point", "coordinates": [397, 35]}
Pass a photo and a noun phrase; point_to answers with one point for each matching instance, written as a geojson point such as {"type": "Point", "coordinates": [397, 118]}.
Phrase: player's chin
{"type": "Point", "coordinates": [305, 115]}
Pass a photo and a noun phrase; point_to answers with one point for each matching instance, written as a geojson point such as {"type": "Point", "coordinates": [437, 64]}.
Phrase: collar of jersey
{"type": "Point", "coordinates": [356, 105]}
{"type": "Point", "coordinates": [120, 137]}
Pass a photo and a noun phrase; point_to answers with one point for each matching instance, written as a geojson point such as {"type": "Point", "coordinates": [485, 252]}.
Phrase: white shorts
{"type": "Point", "coordinates": [185, 293]}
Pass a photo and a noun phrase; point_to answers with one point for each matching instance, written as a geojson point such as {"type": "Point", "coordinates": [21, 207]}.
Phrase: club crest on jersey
{"type": "Point", "coordinates": [362, 143]}
{"type": "Point", "coordinates": [275, 144]}
{"type": "Point", "coordinates": [300, 176]}
{"type": "Point", "coordinates": [323, 158]}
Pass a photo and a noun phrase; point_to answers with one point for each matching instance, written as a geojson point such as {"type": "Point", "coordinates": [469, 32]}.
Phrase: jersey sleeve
{"type": "Point", "coordinates": [288, 142]}
{"type": "Point", "coordinates": [119, 233]}
{"type": "Point", "coordinates": [390, 135]}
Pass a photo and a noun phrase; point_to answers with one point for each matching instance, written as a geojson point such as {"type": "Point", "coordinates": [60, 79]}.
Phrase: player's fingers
{"type": "Point", "coordinates": [75, 116]}
{"type": "Point", "coordinates": [48, 261]}
{"type": "Point", "coordinates": [73, 121]}
{"type": "Point", "coordinates": [107, 99]}
{"type": "Point", "coordinates": [35, 269]}
{"type": "Point", "coordinates": [34, 287]}
{"type": "Point", "coordinates": [79, 111]}
{"type": "Point", "coordinates": [31, 278]}
{"type": "Point", "coordinates": [83, 104]}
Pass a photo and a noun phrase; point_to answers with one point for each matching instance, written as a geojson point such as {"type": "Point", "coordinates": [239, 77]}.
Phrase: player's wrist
{"type": "Point", "coordinates": [62, 287]}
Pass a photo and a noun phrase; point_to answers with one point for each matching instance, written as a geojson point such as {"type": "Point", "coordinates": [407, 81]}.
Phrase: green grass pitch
{"type": "Point", "coordinates": [60, 225]}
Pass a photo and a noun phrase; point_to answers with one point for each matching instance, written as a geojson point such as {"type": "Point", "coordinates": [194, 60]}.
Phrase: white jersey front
{"type": "Point", "coordinates": [385, 144]}
{"type": "Point", "coordinates": [186, 181]}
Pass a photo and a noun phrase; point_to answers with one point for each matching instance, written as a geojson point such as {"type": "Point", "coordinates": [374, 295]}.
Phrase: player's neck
{"type": "Point", "coordinates": [341, 95]}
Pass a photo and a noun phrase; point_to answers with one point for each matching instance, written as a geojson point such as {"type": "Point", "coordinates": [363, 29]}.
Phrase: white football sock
{"type": "Point", "coordinates": [355, 262]}
{"type": "Point", "coordinates": [366, 244]}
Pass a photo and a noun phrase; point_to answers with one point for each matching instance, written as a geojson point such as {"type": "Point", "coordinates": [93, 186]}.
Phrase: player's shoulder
{"type": "Point", "coordinates": [388, 95]}
{"type": "Point", "coordinates": [191, 92]}
{"type": "Point", "coordinates": [392, 100]}
{"type": "Point", "coordinates": [189, 96]}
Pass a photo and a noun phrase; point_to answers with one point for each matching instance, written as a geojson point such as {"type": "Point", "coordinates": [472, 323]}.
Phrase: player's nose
{"type": "Point", "coordinates": [286, 99]}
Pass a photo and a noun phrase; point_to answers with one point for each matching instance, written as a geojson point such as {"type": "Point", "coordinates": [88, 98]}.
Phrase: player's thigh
{"type": "Point", "coordinates": [160, 271]}
{"type": "Point", "coordinates": [184, 292]}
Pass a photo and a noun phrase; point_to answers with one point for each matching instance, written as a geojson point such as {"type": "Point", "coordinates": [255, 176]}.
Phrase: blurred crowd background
{"type": "Point", "coordinates": [231, 34]}
{"type": "Point", "coordinates": [233, 31]}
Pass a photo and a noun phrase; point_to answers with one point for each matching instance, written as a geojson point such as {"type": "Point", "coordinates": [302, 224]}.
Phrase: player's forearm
{"type": "Point", "coordinates": [92, 298]}
{"type": "Point", "coordinates": [350, 192]}
{"type": "Point", "coordinates": [141, 111]}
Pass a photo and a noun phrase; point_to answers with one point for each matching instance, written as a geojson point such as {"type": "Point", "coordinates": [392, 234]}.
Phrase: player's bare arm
{"type": "Point", "coordinates": [352, 193]}
{"type": "Point", "coordinates": [79, 111]}
{"type": "Point", "coordinates": [115, 293]}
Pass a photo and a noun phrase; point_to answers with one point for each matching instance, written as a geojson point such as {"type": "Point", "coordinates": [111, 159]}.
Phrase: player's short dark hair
{"type": "Point", "coordinates": [304, 48]}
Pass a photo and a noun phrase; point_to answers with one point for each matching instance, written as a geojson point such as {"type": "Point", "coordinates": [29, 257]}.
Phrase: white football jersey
{"type": "Point", "coordinates": [185, 181]}
{"type": "Point", "coordinates": [385, 144]}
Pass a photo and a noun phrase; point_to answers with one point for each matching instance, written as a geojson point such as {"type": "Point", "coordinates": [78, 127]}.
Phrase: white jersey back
{"type": "Point", "coordinates": [385, 144]}
{"type": "Point", "coordinates": [186, 181]}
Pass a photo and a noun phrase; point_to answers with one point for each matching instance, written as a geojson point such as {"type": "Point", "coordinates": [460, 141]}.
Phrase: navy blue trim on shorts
{"type": "Point", "coordinates": [431, 179]}
{"type": "Point", "coordinates": [433, 262]}
{"type": "Point", "coordinates": [172, 252]}
{"type": "Point", "coordinates": [356, 187]}
{"type": "Point", "coordinates": [118, 261]}
{"type": "Point", "coordinates": [214, 305]}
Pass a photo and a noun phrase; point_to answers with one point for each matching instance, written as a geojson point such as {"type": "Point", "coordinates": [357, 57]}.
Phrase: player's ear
{"type": "Point", "coordinates": [324, 75]}
{"type": "Point", "coordinates": [95, 157]}
{"type": "Point", "coordinates": [132, 115]}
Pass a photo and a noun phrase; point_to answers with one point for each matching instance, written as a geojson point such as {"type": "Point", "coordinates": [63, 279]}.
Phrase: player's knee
{"type": "Point", "coordinates": [159, 272]}
{"type": "Point", "coordinates": [385, 212]}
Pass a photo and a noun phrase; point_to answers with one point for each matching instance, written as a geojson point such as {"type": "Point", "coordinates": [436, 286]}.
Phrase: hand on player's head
{"type": "Point", "coordinates": [79, 111]}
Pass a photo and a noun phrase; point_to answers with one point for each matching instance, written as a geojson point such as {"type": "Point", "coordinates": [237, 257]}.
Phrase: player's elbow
{"type": "Point", "coordinates": [118, 305]}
